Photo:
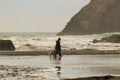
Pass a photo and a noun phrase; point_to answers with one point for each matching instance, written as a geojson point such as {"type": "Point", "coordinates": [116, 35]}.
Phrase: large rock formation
{"type": "Point", "coordinates": [6, 45]}
{"type": "Point", "coordinates": [99, 16]}
{"type": "Point", "coordinates": [112, 39]}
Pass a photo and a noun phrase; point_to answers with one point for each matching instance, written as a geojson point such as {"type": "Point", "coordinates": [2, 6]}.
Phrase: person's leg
{"type": "Point", "coordinates": [55, 54]}
{"type": "Point", "coordinates": [60, 53]}
{"type": "Point", "coordinates": [59, 58]}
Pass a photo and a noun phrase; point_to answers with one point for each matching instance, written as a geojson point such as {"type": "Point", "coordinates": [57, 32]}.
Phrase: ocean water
{"type": "Point", "coordinates": [46, 41]}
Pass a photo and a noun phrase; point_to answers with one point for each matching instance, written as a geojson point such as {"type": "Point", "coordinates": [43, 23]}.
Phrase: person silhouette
{"type": "Point", "coordinates": [58, 48]}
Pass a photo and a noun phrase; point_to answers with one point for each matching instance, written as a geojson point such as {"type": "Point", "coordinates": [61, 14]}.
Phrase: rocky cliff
{"type": "Point", "coordinates": [99, 16]}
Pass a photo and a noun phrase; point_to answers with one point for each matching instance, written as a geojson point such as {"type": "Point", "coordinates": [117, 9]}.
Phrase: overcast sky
{"type": "Point", "coordinates": [37, 15]}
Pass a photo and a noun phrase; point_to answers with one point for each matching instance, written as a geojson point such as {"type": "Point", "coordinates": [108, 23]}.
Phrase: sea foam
{"type": "Point", "coordinates": [46, 41]}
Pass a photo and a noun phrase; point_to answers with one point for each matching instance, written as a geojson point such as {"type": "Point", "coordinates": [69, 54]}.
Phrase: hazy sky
{"type": "Point", "coordinates": [37, 15]}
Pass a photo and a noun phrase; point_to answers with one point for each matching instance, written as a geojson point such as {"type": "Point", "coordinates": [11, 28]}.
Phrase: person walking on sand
{"type": "Point", "coordinates": [58, 48]}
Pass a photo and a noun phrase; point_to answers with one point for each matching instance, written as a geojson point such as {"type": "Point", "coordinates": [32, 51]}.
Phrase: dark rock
{"type": "Point", "coordinates": [99, 16]}
{"type": "Point", "coordinates": [95, 41]}
{"type": "Point", "coordinates": [6, 45]}
{"type": "Point", "coordinates": [112, 39]}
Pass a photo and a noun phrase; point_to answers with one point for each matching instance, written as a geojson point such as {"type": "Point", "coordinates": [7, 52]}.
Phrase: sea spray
{"type": "Point", "coordinates": [46, 41]}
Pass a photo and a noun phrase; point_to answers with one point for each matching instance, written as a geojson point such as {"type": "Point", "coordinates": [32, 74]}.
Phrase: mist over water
{"type": "Point", "coordinates": [46, 41]}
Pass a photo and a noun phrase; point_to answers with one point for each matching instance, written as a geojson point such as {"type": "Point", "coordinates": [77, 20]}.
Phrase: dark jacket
{"type": "Point", "coordinates": [58, 46]}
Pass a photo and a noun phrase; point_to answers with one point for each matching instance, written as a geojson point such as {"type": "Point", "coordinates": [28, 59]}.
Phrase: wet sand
{"type": "Point", "coordinates": [18, 72]}
{"type": "Point", "coordinates": [22, 73]}
{"type": "Point", "coordinates": [64, 52]}
{"type": "Point", "coordinates": [37, 73]}
{"type": "Point", "coordinates": [97, 78]}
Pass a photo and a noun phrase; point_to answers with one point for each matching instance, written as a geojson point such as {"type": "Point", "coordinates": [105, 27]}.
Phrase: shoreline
{"type": "Point", "coordinates": [109, 77]}
{"type": "Point", "coordinates": [65, 52]}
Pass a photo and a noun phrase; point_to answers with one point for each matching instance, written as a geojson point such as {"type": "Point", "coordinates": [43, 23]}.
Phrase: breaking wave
{"type": "Point", "coordinates": [46, 41]}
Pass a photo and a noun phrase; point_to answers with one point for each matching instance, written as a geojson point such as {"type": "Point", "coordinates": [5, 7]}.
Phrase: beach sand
{"type": "Point", "coordinates": [64, 52]}
{"type": "Point", "coordinates": [97, 78]}
{"type": "Point", "coordinates": [34, 73]}
{"type": "Point", "coordinates": [16, 71]}
{"type": "Point", "coordinates": [22, 73]}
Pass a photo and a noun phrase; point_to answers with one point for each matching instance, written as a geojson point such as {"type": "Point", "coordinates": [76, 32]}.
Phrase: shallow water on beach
{"type": "Point", "coordinates": [70, 66]}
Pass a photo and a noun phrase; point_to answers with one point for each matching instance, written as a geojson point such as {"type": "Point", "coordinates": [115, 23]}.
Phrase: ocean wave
{"type": "Point", "coordinates": [47, 41]}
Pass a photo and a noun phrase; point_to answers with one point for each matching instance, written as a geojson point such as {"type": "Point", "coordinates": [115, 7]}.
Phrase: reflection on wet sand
{"type": "Point", "coordinates": [22, 73]}
{"type": "Point", "coordinates": [56, 61]}
{"type": "Point", "coordinates": [70, 66]}
{"type": "Point", "coordinates": [58, 71]}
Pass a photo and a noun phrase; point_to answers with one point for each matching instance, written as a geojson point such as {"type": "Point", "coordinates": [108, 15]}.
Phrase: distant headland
{"type": "Point", "coordinates": [99, 16]}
